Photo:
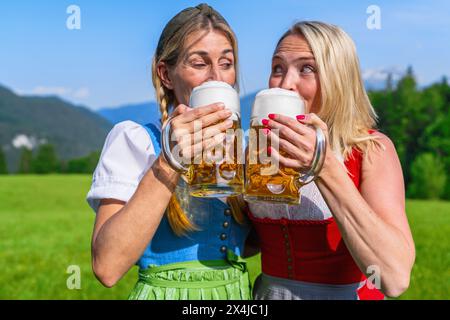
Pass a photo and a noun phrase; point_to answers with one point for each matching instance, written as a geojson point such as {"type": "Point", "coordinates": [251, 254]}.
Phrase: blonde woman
{"type": "Point", "coordinates": [185, 247]}
{"type": "Point", "coordinates": [351, 223]}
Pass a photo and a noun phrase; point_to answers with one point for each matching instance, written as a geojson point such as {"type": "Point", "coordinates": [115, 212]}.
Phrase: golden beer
{"type": "Point", "coordinates": [222, 177]}
{"type": "Point", "coordinates": [267, 180]}
{"type": "Point", "coordinates": [218, 172]}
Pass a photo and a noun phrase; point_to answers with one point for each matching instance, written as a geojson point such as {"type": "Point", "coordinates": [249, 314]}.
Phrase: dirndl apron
{"type": "Point", "coordinates": [195, 280]}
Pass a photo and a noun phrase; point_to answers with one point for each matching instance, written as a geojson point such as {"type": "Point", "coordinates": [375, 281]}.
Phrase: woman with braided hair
{"type": "Point", "coordinates": [185, 247]}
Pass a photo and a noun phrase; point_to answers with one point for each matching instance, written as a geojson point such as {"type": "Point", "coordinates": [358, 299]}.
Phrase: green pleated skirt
{"type": "Point", "coordinates": [195, 280]}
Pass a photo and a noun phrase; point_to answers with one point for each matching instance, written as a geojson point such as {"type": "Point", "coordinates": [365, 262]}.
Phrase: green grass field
{"type": "Point", "coordinates": [46, 225]}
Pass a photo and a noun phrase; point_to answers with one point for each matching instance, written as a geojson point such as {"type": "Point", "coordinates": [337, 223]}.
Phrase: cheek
{"type": "Point", "coordinates": [230, 77]}
{"type": "Point", "coordinates": [273, 82]}
{"type": "Point", "coordinates": [193, 78]}
{"type": "Point", "coordinates": [184, 81]}
{"type": "Point", "coordinates": [309, 92]}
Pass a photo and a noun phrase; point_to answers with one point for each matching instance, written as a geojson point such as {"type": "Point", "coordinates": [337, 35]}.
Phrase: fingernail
{"type": "Point", "coordinates": [221, 105]}
{"type": "Point", "coordinates": [271, 116]}
{"type": "Point", "coordinates": [265, 122]}
{"type": "Point", "coordinates": [301, 117]}
{"type": "Point", "coordinates": [269, 151]}
{"type": "Point", "coordinates": [266, 132]}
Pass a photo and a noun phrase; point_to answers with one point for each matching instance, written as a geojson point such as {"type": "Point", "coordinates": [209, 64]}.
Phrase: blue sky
{"type": "Point", "coordinates": [107, 62]}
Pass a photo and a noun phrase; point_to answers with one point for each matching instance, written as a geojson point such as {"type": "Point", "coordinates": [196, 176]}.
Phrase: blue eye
{"type": "Point", "coordinates": [306, 69]}
{"type": "Point", "coordinates": [277, 69]}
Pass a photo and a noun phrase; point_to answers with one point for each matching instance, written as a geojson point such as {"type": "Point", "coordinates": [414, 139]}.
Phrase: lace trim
{"type": "Point", "coordinates": [285, 222]}
{"type": "Point", "coordinates": [312, 206]}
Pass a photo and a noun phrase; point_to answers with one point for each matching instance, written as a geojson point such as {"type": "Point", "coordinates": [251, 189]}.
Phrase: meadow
{"type": "Point", "coordinates": [46, 225]}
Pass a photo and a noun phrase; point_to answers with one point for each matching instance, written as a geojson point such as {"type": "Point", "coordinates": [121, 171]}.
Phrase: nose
{"type": "Point", "coordinates": [214, 73]}
{"type": "Point", "coordinates": [290, 81]}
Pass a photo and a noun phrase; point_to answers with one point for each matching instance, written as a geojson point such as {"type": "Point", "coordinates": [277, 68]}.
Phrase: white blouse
{"type": "Point", "coordinates": [127, 154]}
{"type": "Point", "coordinates": [312, 205]}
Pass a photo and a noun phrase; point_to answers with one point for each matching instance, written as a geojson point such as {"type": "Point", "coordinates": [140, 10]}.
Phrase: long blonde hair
{"type": "Point", "coordinates": [345, 106]}
{"type": "Point", "coordinates": [170, 48]}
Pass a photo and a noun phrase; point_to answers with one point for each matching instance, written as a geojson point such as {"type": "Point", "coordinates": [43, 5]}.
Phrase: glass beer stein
{"type": "Point", "coordinates": [265, 179]}
{"type": "Point", "coordinates": [217, 172]}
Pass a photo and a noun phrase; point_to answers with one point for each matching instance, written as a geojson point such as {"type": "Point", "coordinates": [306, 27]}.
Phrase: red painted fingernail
{"type": "Point", "coordinates": [269, 151]}
{"type": "Point", "coordinates": [301, 117]}
{"type": "Point", "coordinates": [271, 116]}
{"type": "Point", "coordinates": [265, 122]}
{"type": "Point", "coordinates": [266, 132]}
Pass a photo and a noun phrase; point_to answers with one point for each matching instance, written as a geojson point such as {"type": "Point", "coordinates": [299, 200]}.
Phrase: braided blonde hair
{"type": "Point", "coordinates": [170, 47]}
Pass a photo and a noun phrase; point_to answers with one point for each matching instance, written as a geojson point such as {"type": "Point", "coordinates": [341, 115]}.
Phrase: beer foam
{"type": "Point", "coordinates": [216, 91]}
{"type": "Point", "coordinates": [276, 100]}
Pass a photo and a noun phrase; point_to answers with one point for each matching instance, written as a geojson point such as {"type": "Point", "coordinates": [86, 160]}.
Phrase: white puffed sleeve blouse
{"type": "Point", "coordinates": [127, 154]}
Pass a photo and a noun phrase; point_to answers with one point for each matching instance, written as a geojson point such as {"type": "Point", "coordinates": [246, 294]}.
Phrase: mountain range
{"type": "Point", "coordinates": [28, 121]}
{"type": "Point", "coordinates": [148, 112]}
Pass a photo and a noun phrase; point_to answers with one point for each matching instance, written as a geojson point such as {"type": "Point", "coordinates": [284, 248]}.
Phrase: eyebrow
{"type": "Point", "coordinates": [204, 53]}
{"type": "Point", "coordinates": [298, 59]}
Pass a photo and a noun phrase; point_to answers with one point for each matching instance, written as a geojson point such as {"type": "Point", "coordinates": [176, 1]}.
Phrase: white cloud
{"type": "Point", "coordinates": [64, 92]}
{"type": "Point", "coordinates": [46, 91]}
{"type": "Point", "coordinates": [381, 74]}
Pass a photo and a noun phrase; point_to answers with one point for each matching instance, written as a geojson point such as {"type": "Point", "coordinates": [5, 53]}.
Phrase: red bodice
{"type": "Point", "coordinates": [311, 250]}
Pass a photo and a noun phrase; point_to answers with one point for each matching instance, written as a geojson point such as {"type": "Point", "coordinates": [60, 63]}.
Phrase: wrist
{"type": "Point", "coordinates": [162, 165]}
{"type": "Point", "coordinates": [164, 173]}
{"type": "Point", "coordinates": [329, 165]}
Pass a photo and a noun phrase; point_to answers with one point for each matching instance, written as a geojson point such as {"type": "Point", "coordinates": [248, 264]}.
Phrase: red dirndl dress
{"type": "Point", "coordinates": [311, 249]}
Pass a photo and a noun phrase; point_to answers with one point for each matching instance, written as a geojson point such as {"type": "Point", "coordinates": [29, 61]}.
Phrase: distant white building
{"type": "Point", "coordinates": [22, 140]}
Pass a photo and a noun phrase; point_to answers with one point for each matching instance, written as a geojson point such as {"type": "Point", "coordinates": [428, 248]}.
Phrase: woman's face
{"type": "Point", "coordinates": [294, 68]}
{"type": "Point", "coordinates": [206, 57]}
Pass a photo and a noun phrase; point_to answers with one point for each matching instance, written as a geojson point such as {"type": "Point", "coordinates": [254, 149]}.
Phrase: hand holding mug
{"type": "Point", "coordinates": [298, 139]}
{"type": "Point", "coordinates": [194, 130]}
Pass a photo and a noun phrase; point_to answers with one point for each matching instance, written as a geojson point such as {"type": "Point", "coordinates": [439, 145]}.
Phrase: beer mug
{"type": "Point", "coordinates": [218, 172]}
{"type": "Point", "coordinates": [265, 179]}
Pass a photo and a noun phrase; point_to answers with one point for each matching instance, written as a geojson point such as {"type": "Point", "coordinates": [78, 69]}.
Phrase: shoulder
{"type": "Point", "coordinates": [129, 138]}
{"type": "Point", "coordinates": [129, 130]}
{"type": "Point", "coordinates": [383, 145]}
{"type": "Point", "coordinates": [380, 146]}
{"type": "Point", "coordinates": [128, 145]}
{"type": "Point", "coordinates": [127, 155]}
{"type": "Point", "coordinates": [381, 157]}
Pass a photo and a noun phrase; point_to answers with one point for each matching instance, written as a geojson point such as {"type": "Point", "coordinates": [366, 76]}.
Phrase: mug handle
{"type": "Point", "coordinates": [165, 148]}
{"type": "Point", "coordinates": [318, 159]}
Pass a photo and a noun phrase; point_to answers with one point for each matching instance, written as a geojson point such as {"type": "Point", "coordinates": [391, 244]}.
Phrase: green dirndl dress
{"type": "Point", "coordinates": [195, 280]}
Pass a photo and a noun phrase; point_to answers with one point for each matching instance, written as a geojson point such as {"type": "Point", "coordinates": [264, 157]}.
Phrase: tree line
{"type": "Point", "coordinates": [45, 161]}
{"type": "Point", "coordinates": [418, 122]}
{"type": "Point", "coordinates": [416, 119]}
